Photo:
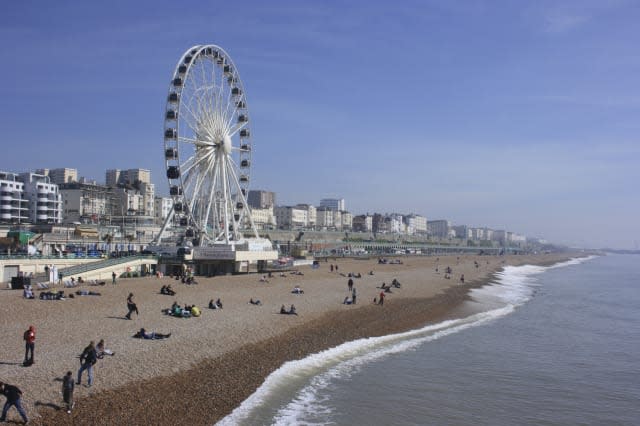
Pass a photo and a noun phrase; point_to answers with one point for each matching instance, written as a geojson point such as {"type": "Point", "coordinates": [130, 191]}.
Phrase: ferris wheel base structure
{"type": "Point", "coordinates": [250, 255]}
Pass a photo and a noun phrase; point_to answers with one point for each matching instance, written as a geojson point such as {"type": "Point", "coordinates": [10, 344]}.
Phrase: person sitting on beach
{"type": "Point", "coordinates": [283, 310]}
{"type": "Point", "coordinates": [292, 310]}
{"type": "Point", "coordinates": [357, 275]}
{"type": "Point", "coordinates": [297, 290]}
{"type": "Point", "coordinates": [256, 302]}
{"type": "Point", "coordinates": [346, 301]}
{"type": "Point", "coordinates": [371, 273]}
{"type": "Point", "coordinates": [264, 279]}
{"type": "Point", "coordinates": [80, 280]}
{"type": "Point", "coordinates": [195, 311]}
{"type": "Point", "coordinates": [283, 275]}
{"type": "Point", "coordinates": [186, 311]}
{"type": "Point", "coordinates": [27, 293]}
{"type": "Point", "coordinates": [144, 334]}
{"type": "Point", "coordinates": [102, 351]}
{"type": "Point", "coordinates": [395, 283]}
{"type": "Point", "coordinates": [388, 289]}
{"type": "Point", "coordinates": [215, 305]}
{"type": "Point", "coordinates": [175, 310]}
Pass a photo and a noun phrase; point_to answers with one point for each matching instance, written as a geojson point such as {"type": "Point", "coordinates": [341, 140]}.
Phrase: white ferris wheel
{"type": "Point", "coordinates": [207, 149]}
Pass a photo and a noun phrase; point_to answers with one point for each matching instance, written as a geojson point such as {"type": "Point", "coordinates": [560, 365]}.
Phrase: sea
{"type": "Point", "coordinates": [556, 345]}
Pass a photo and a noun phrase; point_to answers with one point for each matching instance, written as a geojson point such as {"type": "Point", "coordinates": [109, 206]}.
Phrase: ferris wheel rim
{"type": "Point", "coordinates": [215, 124]}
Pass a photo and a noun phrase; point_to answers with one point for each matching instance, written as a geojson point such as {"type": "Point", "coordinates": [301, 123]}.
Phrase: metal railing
{"type": "Point", "coordinates": [86, 267]}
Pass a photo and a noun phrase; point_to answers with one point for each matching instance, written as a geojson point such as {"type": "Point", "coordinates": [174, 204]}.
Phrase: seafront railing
{"type": "Point", "coordinates": [101, 264]}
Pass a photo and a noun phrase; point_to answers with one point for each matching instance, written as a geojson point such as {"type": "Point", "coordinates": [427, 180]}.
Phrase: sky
{"type": "Point", "coordinates": [512, 115]}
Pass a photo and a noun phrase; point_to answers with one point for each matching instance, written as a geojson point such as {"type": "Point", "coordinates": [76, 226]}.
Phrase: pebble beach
{"type": "Point", "coordinates": [211, 363]}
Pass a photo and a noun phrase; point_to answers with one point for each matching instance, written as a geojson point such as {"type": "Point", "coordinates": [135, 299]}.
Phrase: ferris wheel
{"type": "Point", "coordinates": [207, 149]}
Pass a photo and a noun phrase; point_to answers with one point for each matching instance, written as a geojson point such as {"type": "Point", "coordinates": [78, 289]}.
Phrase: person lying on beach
{"type": "Point", "coordinates": [49, 295]}
{"type": "Point", "coordinates": [264, 279]}
{"type": "Point", "coordinates": [102, 351]}
{"type": "Point", "coordinates": [297, 290]}
{"type": "Point", "coordinates": [371, 273]}
{"type": "Point", "coordinates": [256, 302]}
{"type": "Point", "coordinates": [283, 275]}
{"type": "Point", "coordinates": [87, 293]}
{"type": "Point", "coordinates": [215, 305]}
{"type": "Point", "coordinates": [144, 334]}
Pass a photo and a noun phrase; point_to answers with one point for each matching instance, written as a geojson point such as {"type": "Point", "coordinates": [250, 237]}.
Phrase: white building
{"type": "Point", "coordinates": [60, 176]}
{"type": "Point", "coordinates": [45, 202]}
{"type": "Point", "coordinates": [85, 203]}
{"type": "Point", "coordinates": [325, 218]}
{"type": "Point", "coordinates": [117, 177]}
{"type": "Point", "coordinates": [263, 218]}
{"type": "Point", "coordinates": [14, 207]}
{"type": "Point", "coordinates": [347, 221]}
{"type": "Point", "coordinates": [312, 214]}
{"type": "Point", "coordinates": [288, 217]}
{"type": "Point", "coordinates": [333, 203]}
{"type": "Point", "coordinates": [416, 224]}
{"type": "Point", "coordinates": [395, 224]}
{"type": "Point", "coordinates": [162, 208]}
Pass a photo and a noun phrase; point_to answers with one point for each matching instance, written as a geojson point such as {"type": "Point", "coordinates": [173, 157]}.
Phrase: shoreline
{"type": "Point", "coordinates": [157, 382]}
{"type": "Point", "coordinates": [203, 391]}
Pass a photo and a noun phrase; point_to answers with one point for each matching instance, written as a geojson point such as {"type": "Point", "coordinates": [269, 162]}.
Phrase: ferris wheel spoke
{"type": "Point", "coordinates": [235, 129]}
{"type": "Point", "coordinates": [210, 193]}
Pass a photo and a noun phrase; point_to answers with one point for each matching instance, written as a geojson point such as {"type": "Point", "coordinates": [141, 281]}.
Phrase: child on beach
{"type": "Point", "coordinates": [67, 390]}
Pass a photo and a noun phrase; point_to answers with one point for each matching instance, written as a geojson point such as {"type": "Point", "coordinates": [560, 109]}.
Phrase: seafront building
{"type": "Point", "coordinates": [259, 199]}
{"type": "Point", "coordinates": [45, 202]}
{"type": "Point", "coordinates": [60, 176]}
{"type": "Point", "coordinates": [415, 224]}
{"type": "Point", "coordinates": [439, 228]}
{"type": "Point", "coordinates": [86, 203]}
{"type": "Point", "coordinates": [14, 204]}
{"type": "Point", "coordinates": [333, 203]}
{"type": "Point", "coordinates": [264, 218]}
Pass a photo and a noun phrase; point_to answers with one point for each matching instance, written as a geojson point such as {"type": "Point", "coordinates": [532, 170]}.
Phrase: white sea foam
{"type": "Point", "coordinates": [308, 377]}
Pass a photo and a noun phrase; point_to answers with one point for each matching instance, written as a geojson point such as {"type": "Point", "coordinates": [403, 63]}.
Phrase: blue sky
{"type": "Point", "coordinates": [516, 115]}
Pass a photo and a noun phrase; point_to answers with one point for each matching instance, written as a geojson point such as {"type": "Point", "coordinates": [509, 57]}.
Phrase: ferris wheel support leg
{"type": "Point", "coordinates": [158, 238]}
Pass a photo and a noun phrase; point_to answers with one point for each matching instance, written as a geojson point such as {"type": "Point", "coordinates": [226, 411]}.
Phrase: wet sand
{"type": "Point", "coordinates": [212, 363]}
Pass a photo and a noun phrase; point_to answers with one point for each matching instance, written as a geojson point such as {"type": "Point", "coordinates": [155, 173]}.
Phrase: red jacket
{"type": "Point", "coordinates": [30, 335]}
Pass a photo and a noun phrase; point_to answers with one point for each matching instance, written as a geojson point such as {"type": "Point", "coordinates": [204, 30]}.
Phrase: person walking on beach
{"type": "Point", "coordinates": [350, 284]}
{"type": "Point", "coordinates": [29, 343]}
{"type": "Point", "coordinates": [13, 395]}
{"type": "Point", "coordinates": [131, 306]}
{"type": "Point", "coordinates": [113, 277]}
{"type": "Point", "coordinates": [67, 390]}
{"type": "Point", "coordinates": [88, 359]}
{"type": "Point", "coordinates": [381, 302]}
{"type": "Point", "coordinates": [353, 295]}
